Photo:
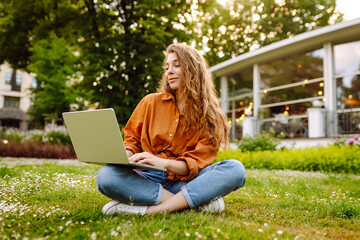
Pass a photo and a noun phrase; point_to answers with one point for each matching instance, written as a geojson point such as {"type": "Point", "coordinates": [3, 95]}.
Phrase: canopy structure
{"type": "Point", "coordinates": [13, 113]}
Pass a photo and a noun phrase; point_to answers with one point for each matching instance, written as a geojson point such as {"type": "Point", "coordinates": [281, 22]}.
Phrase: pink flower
{"type": "Point", "coordinates": [356, 138]}
{"type": "Point", "coordinates": [351, 141]}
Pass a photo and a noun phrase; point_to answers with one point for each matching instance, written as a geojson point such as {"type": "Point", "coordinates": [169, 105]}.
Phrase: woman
{"type": "Point", "coordinates": [180, 129]}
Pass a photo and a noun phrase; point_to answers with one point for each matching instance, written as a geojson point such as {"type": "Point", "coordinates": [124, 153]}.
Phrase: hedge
{"type": "Point", "coordinates": [339, 159]}
{"type": "Point", "coordinates": [30, 149]}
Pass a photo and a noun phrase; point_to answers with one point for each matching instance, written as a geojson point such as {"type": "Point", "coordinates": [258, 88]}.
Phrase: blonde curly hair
{"type": "Point", "coordinates": [201, 106]}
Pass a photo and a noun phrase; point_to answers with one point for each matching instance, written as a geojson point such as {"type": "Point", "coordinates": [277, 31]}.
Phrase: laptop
{"type": "Point", "coordinates": [96, 137]}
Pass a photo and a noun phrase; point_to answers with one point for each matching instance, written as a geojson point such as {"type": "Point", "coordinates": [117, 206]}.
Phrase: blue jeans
{"type": "Point", "coordinates": [146, 188]}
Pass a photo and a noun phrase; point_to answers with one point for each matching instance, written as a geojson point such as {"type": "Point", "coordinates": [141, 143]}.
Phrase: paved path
{"type": "Point", "coordinates": [306, 142]}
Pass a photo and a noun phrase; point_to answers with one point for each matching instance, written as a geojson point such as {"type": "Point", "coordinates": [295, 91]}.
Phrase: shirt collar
{"type": "Point", "coordinates": [168, 96]}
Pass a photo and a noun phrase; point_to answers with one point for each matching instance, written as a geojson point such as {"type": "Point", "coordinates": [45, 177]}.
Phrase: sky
{"type": "Point", "coordinates": [347, 60]}
{"type": "Point", "coordinates": [350, 8]}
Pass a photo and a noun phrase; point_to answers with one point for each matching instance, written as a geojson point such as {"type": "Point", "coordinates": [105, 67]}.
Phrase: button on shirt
{"type": "Point", "coordinates": [155, 127]}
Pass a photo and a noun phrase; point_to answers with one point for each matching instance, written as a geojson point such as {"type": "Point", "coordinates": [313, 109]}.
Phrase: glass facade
{"type": "Point", "coordinates": [296, 127]}
{"type": "Point", "coordinates": [349, 122]}
{"type": "Point", "coordinates": [293, 93]}
{"type": "Point", "coordinates": [241, 83]}
{"type": "Point", "coordinates": [347, 65]}
{"type": "Point", "coordinates": [240, 90]}
{"type": "Point", "coordinates": [285, 81]}
{"type": "Point", "coordinates": [241, 103]}
{"type": "Point", "coordinates": [292, 69]}
{"type": "Point", "coordinates": [240, 93]}
{"type": "Point", "coordinates": [288, 87]}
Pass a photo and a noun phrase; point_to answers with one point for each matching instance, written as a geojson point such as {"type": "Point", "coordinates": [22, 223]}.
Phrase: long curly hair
{"type": "Point", "coordinates": [201, 106]}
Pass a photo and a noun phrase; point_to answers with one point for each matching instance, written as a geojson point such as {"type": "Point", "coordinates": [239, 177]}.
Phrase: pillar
{"type": "Point", "coordinates": [330, 91]}
{"type": "Point", "coordinates": [224, 94]}
{"type": "Point", "coordinates": [256, 98]}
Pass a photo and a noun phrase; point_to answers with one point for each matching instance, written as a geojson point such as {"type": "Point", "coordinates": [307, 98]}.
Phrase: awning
{"type": "Point", "coordinates": [13, 113]}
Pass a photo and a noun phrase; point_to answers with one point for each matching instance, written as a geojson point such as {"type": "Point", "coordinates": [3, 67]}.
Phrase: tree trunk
{"type": "Point", "coordinates": [14, 86]}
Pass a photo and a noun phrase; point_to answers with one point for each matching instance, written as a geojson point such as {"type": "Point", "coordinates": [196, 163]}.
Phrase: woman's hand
{"type": "Point", "coordinates": [177, 167]}
{"type": "Point", "coordinates": [129, 153]}
{"type": "Point", "coordinates": [148, 158]}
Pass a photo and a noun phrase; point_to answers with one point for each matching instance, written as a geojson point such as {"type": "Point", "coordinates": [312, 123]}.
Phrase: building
{"type": "Point", "coordinates": [14, 97]}
{"type": "Point", "coordinates": [304, 86]}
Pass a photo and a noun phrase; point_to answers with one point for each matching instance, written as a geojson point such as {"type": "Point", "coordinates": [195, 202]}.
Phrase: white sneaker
{"type": "Point", "coordinates": [114, 207]}
{"type": "Point", "coordinates": [215, 206]}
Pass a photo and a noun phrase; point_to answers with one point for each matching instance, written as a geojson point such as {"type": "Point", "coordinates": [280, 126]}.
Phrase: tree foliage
{"type": "Point", "coordinates": [121, 42]}
{"type": "Point", "coordinates": [239, 26]}
{"type": "Point", "coordinates": [122, 49]}
{"type": "Point", "coordinates": [53, 62]}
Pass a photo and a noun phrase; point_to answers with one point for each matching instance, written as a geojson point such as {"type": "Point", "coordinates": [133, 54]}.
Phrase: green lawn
{"type": "Point", "coordinates": [58, 199]}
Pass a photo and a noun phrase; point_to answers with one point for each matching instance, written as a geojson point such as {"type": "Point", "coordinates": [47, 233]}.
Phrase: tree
{"type": "Point", "coordinates": [121, 42]}
{"type": "Point", "coordinates": [15, 24]}
{"type": "Point", "coordinates": [222, 31]}
{"type": "Point", "coordinates": [53, 62]}
{"type": "Point", "coordinates": [239, 26]}
{"type": "Point", "coordinates": [279, 20]}
{"type": "Point", "coordinates": [24, 22]}
{"type": "Point", "coordinates": [122, 49]}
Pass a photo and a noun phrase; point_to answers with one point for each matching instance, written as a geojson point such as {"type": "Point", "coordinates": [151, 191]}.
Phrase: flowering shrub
{"type": "Point", "coordinates": [36, 150]}
{"type": "Point", "coordinates": [52, 142]}
{"type": "Point", "coordinates": [353, 141]}
{"type": "Point", "coordinates": [338, 140]}
{"type": "Point", "coordinates": [261, 142]}
{"type": "Point", "coordinates": [51, 134]}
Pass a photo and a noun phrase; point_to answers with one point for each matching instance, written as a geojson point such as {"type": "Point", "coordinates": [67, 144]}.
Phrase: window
{"type": "Point", "coordinates": [293, 69]}
{"type": "Point", "coordinates": [240, 99]}
{"type": "Point", "coordinates": [240, 92]}
{"type": "Point", "coordinates": [18, 79]}
{"type": "Point", "coordinates": [33, 82]}
{"type": "Point", "coordinates": [241, 83]}
{"type": "Point", "coordinates": [291, 85]}
{"type": "Point", "coordinates": [347, 65]}
{"type": "Point", "coordinates": [12, 102]}
{"type": "Point", "coordinates": [8, 78]}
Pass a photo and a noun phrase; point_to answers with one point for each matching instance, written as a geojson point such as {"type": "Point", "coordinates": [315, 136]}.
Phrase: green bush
{"type": "Point", "coordinates": [57, 135]}
{"type": "Point", "coordinates": [58, 138]}
{"type": "Point", "coordinates": [36, 150]}
{"type": "Point", "coordinates": [12, 135]}
{"type": "Point", "coordinates": [261, 142]}
{"type": "Point", "coordinates": [341, 159]}
{"type": "Point", "coordinates": [51, 142]}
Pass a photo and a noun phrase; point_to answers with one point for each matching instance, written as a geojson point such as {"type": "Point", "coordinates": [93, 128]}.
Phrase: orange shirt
{"type": "Point", "coordinates": [154, 127]}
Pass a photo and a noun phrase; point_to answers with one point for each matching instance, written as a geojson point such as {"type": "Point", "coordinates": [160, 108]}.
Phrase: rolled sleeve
{"type": "Point", "coordinates": [134, 127]}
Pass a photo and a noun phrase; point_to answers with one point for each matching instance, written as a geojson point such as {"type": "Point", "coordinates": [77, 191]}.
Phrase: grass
{"type": "Point", "coordinates": [58, 200]}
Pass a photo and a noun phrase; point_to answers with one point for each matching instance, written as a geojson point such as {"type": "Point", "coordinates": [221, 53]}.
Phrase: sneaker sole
{"type": "Point", "coordinates": [221, 205]}
{"type": "Point", "coordinates": [112, 204]}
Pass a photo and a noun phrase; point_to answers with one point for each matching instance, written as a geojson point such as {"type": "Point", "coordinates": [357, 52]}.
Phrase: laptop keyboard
{"type": "Point", "coordinates": [141, 164]}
